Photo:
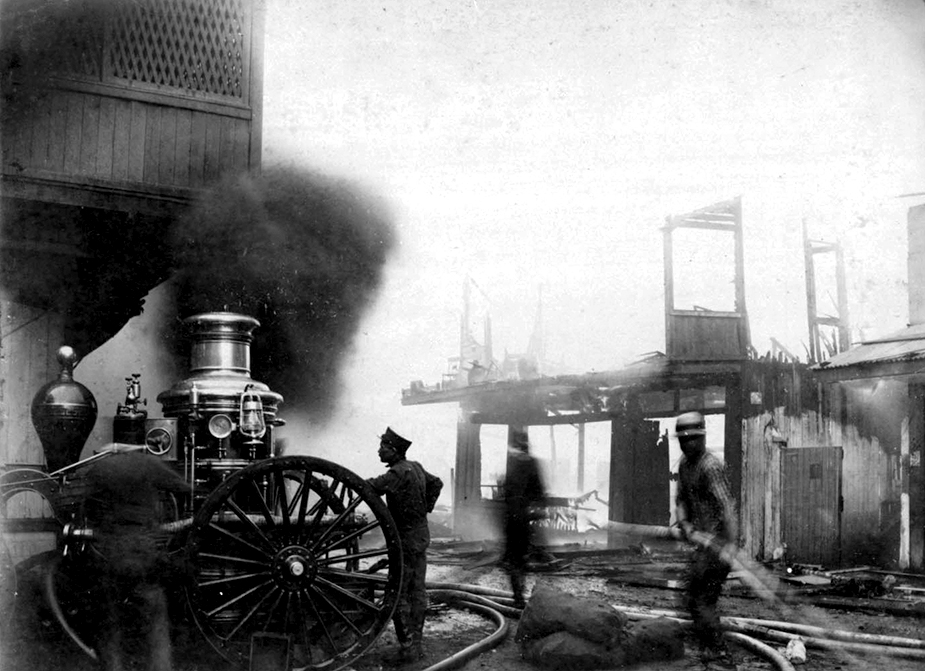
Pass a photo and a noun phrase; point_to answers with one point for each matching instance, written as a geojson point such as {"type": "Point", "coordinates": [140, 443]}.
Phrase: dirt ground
{"type": "Point", "coordinates": [32, 640]}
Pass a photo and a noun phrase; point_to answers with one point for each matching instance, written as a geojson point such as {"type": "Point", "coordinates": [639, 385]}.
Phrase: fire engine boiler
{"type": "Point", "coordinates": [293, 547]}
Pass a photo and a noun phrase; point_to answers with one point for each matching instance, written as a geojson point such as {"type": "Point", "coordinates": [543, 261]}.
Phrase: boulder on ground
{"type": "Point", "coordinates": [550, 611]}
{"type": "Point", "coordinates": [564, 650]}
{"type": "Point", "coordinates": [653, 640]}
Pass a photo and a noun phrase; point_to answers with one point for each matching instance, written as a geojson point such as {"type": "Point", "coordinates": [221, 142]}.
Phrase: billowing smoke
{"type": "Point", "coordinates": [304, 254]}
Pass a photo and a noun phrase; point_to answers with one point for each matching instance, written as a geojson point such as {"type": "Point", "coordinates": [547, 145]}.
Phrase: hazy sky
{"type": "Point", "coordinates": [530, 144]}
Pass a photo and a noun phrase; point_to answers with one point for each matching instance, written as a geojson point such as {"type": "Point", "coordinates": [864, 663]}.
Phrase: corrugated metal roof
{"type": "Point", "coordinates": [905, 345]}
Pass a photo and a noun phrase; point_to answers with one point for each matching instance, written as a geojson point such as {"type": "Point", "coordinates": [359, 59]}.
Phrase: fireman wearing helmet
{"type": "Point", "coordinates": [705, 505]}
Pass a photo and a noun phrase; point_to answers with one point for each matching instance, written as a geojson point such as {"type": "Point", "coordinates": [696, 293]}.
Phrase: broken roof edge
{"type": "Point", "coordinates": [900, 353]}
{"type": "Point", "coordinates": [655, 370]}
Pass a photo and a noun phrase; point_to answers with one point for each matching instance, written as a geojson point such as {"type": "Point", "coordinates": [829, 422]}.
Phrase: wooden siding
{"type": "Point", "coordinates": [123, 143]}
{"type": "Point", "coordinates": [760, 512]}
{"type": "Point", "coordinates": [705, 336]}
{"type": "Point", "coordinates": [867, 424]}
{"type": "Point", "coordinates": [810, 503]}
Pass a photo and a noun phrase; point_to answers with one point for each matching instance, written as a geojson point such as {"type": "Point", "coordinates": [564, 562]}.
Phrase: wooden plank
{"type": "Point", "coordinates": [57, 132]}
{"type": "Point", "coordinates": [121, 138]}
{"type": "Point", "coordinates": [105, 139]}
{"type": "Point", "coordinates": [197, 158]}
{"type": "Point", "coordinates": [254, 81]}
{"type": "Point", "coordinates": [183, 147]}
{"type": "Point", "coordinates": [40, 127]}
{"type": "Point", "coordinates": [223, 107]}
{"type": "Point", "coordinates": [152, 137]}
{"type": "Point", "coordinates": [241, 145]}
{"type": "Point", "coordinates": [167, 146]}
{"type": "Point", "coordinates": [72, 135]}
{"type": "Point", "coordinates": [227, 145]}
{"type": "Point", "coordinates": [17, 144]}
{"type": "Point", "coordinates": [89, 137]}
{"type": "Point", "coordinates": [137, 134]}
{"type": "Point", "coordinates": [212, 162]}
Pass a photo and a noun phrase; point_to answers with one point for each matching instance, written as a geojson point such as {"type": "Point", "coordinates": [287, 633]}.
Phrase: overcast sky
{"type": "Point", "coordinates": [529, 144]}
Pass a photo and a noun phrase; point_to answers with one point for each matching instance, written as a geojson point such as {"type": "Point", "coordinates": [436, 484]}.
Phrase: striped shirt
{"type": "Point", "coordinates": [703, 490]}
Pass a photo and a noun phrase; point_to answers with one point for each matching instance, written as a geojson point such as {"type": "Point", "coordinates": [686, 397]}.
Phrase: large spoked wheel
{"type": "Point", "coordinates": [299, 547]}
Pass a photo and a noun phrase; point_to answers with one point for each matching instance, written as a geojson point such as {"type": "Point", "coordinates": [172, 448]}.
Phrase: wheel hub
{"type": "Point", "coordinates": [294, 567]}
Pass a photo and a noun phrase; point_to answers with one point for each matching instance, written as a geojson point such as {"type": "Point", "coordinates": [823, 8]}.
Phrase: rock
{"type": "Point", "coordinates": [563, 650]}
{"type": "Point", "coordinates": [653, 640]}
{"type": "Point", "coordinates": [550, 611]}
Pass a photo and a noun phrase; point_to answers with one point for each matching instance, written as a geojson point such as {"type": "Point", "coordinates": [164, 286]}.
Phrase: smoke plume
{"type": "Point", "coordinates": [304, 254]}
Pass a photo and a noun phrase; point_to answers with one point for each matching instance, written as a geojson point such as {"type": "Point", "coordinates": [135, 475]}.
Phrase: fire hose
{"type": "Point", "coordinates": [762, 585]}
{"type": "Point", "coordinates": [468, 597]}
{"type": "Point", "coordinates": [497, 600]}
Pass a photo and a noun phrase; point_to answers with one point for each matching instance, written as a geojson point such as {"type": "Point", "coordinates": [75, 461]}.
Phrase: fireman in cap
{"type": "Point", "coordinates": [410, 493]}
{"type": "Point", "coordinates": [705, 505]}
{"type": "Point", "coordinates": [524, 495]}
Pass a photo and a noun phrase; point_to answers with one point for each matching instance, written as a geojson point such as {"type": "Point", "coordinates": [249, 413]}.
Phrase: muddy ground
{"type": "Point", "coordinates": [32, 641]}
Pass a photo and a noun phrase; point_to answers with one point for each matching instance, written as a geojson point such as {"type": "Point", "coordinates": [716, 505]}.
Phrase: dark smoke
{"type": "Point", "coordinates": [301, 252]}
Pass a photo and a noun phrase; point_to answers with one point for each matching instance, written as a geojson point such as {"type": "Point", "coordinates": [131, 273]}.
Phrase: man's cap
{"type": "Point", "coordinates": [690, 424]}
{"type": "Point", "coordinates": [518, 438]}
{"type": "Point", "coordinates": [394, 440]}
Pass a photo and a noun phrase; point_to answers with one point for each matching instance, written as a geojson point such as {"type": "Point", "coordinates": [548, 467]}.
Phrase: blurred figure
{"type": "Point", "coordinates": [524, 493]}
{"type": "Point", "coordinates": [410, 493]}
{"type": "Point", "coordinates": [124, 509]}
{"type": "Point", "coordinates": [705, 506]}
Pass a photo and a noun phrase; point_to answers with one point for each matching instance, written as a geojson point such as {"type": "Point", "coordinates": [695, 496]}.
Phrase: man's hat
{"type": "Point", "coordinates": [518, 438]}
{"type": "Point", "coordinates": [394, 440]}
{"type": "Point", "coordinates": [690, 424]}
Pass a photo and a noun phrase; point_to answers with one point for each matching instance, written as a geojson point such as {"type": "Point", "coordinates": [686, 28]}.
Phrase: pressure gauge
{"type": "Point", "coordinates": [158, 441]}
{"type": "Point", "coordinates": [220, 426]}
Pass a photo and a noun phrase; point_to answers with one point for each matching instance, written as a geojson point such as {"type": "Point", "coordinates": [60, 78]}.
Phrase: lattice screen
{"type": "Point", "coordinates": [187, 44]}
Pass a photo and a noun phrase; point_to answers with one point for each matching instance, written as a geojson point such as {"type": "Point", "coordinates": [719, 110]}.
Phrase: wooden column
{"type": "Point", "coordinates": [467, 474]}
{"type": "Point", "coordinates": [621, 471]}
{"type": "Point", "coordinates": [733, 437]}
{"type": "Point", "coordinates": [581, 458]}
{"type": "Point", "coordinates": [916, 488]}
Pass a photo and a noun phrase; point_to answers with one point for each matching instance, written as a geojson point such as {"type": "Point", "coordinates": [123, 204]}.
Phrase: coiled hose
{"type": "Point", "coordinates": [812, 637]}
{"type": "Point", "coordinates": [495, 603]}
{"type": "Point", "coordinates": [472, 598]}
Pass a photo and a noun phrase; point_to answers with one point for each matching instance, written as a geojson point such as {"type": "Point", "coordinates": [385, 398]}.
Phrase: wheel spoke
{"type": "Point", "coordinates": [244, 517]}
{"type": "Point", "coordinates": [349, 537]}
{"type": "Point", "coordinates": [297, 499]}
{"type": "Point", "coordinates": [346, 593]}
{"type": "Point", "coordinates": [264, 509]}
{"type": "Point", "coordinates": [232, 579]}
{"type": "Point", "coordinates": [238, 539]}
{"type": "Point", "coordinates": [340, 518]}
{"type": "Point", "coordinates": [256, 607]}
{"type": "Point", "coordinates": [227, 559]}
{"type": "Point", "coordinates": [337, 559]}
{"type": "Point", "coordinates": [283, 502]}
{"type": "Point", "coordinates": [303, 498]}
{"type": "Point", "coordinates": [319, 620]}
{"type": "Point", "coordinates": [358, 577]}
{"type": "Point", "coordinates": [236, 599]}
{"type": "Point", "coordinates": [337, 610]}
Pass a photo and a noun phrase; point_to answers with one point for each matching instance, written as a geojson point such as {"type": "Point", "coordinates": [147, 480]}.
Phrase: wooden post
{"type": "Point", "coordinates": [552, 457]}
{"type": "Point", "coordinates": [733, 437]}
{"type": "Point", "coordinates": [468, 472]}
{"type": "Point", "coordinates": [669, 281]}
{"type": "Point", "coordinates": [581, 458]}
{"type": "Point", "coordinates": [904, 530]}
